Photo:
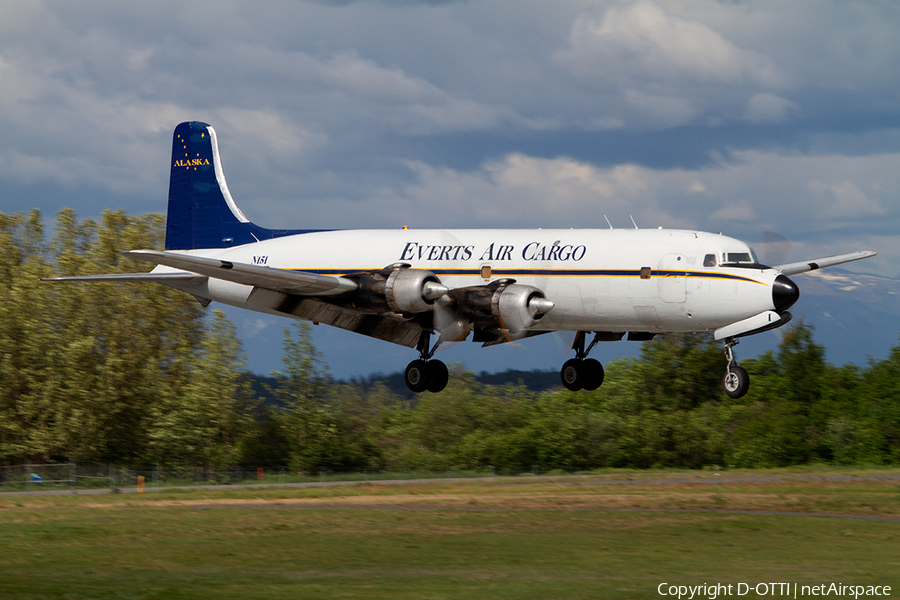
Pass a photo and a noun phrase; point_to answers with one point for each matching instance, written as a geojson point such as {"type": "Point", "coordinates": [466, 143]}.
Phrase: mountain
{"type": "Point", "coordinates": [856, 316]}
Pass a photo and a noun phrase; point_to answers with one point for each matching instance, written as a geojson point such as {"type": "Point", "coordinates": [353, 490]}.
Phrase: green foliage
{"type": "Point", "coordinates": [134, 373]}
{"type": "Point", "coordinates": [88, 368]}
{"type": "Point", "coordinates": [202, 422]}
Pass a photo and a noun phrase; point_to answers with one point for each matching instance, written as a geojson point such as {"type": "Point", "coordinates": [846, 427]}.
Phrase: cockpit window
{"type": "Point", "coordinates": [739, 257]}
{"type": "Point", "coordinates": [709, 260]}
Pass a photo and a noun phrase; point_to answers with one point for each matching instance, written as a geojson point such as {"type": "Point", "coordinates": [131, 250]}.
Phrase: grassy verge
{"type": "Point", "coordinates": [474, 539]}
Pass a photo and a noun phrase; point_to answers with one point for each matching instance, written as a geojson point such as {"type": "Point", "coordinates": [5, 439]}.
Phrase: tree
{"type": "Point", "coordinates": [303, 417]}
{"type": "Point", "coordinates": [204, 420]}
{"type": "Point", "coordinates": [83, 363]}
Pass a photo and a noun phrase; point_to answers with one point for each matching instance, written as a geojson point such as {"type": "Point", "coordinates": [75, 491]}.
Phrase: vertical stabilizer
{"type": "Point", "coordinates": [202, 213]}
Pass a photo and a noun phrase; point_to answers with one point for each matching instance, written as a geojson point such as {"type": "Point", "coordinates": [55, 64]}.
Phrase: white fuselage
{"type": "Point", "coordinates": [648, 280]}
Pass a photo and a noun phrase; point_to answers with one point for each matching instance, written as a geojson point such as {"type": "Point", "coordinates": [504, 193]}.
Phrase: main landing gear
{"type": "Point", "coordinates": [425, 374]}
{"type": "Point", "coordinates": [581, 372]}
{"type": "Point", "coordinates": [736, 380]}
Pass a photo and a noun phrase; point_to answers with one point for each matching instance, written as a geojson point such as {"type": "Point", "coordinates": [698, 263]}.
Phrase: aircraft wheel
{"type": "Point", "coordinates": [736, 382]}
{"type": "Point", "coordinates": [438, 375]}
{"type": "Point", "coordinates": [416, 376]}
{"type": "Point", "coordinates": [593, 374]}
{"type": "Point", "coordinates": [572, 374]}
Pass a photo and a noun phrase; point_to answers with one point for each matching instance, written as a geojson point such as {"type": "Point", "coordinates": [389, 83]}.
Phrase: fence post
{"type": "Point", "coordinates": [73, 476]}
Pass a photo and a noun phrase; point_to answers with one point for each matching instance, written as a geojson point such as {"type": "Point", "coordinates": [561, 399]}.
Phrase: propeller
{"type": "Point", "coordinates": [775, 248]}
{"type": "Point", "coordinates": [451, 326]}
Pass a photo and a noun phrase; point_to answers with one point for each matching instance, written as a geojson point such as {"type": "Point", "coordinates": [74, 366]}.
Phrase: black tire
{"type": "Point", "coordinates": [736, 382]}
{"type": "Point", "coordinates": [572, 374]}
{"type": "Point", "coordinates": [416, 376]}
{"type": "Point", "coordinates": [593, 374]}
{"type": "Point", "coordinates": [438, 375]}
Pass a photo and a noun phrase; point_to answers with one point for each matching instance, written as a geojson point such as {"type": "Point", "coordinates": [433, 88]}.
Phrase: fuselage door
{"type": "Point", "coordinates": [671, 277]}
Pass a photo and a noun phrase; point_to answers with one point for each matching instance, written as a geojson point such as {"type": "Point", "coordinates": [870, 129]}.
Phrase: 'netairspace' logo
{"type": "Point", "coordinates": [790, 590]}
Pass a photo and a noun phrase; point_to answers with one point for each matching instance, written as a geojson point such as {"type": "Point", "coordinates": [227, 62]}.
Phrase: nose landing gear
{"type": "Point", "coordinates": [581, 372]}
{"type": "Point", "coordinates": [425, 374]}
{"type": "Point", "coordinates": [736, 380]}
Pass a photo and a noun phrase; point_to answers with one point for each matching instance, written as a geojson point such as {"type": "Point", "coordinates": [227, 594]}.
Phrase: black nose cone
{"type": "Point", "coordinates": [784, 293]}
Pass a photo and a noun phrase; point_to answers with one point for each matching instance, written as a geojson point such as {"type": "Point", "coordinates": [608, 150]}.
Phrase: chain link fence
{"type": "Point", "coordinates": [73, 477]}
{"type": "Point", "coordinates": [29, 477]}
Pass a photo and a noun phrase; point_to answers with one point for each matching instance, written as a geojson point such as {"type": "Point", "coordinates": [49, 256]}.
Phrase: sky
{"type": "Point", "coordinates": [739, 117]}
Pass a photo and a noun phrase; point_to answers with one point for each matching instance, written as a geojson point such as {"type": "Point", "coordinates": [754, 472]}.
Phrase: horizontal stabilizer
{"type": "Point", "coordinates": [302, 283]}
{"type": "Point", "coordinates": [158, 277]}
{"type": "Point", "coordinates": [830, 261]}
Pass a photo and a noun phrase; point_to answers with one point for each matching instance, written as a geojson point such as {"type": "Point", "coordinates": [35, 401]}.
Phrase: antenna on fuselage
{"type": "Point", "coordinates": [632, 222]}
{"type": "Point", "coordinates": [607, 222]}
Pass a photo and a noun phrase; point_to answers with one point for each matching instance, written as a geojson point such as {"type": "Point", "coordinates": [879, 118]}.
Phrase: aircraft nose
{"type": "Point", "coordinates": [784, 293]}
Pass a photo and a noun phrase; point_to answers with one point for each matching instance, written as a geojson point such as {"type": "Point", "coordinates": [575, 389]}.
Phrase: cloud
{"type": "Point", "coordinates": [845, 199]}
{"type": "Point", "coordinates": [350, 72]}
{"type": "Point", "coordinates": [662, 111]}
{"type": "Point", "coordinates": [380, 113]}
{"type": "Point", "coordinates": [768, 108]}
{"type": "Point", "coordinates": [741, 210]}
{"type": "Point", "coordinates": [648, 43]}
{"type": "Point", "coordinates": [813, 201]}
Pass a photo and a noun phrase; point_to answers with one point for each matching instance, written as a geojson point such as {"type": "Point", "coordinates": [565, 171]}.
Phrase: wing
{"type": "Point", "coordinates": [157, 277]}
{"type": "Point", "coordinates": [295, 293]}
{"type": "Point", "coordinates": [830, 261]}
{"type": "Point", "coordinates": [298, 293]}
{"type": "Point", "coordinates": [301, 283]}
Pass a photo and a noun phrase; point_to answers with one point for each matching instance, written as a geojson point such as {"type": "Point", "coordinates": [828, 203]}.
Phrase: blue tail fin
{"type": "Point", "coordinates": [202, 213]}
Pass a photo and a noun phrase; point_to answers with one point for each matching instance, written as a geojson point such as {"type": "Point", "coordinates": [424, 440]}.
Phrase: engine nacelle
{"type": "Point", "coordinates": [412, 290]}
{"type": "Point", "coordinates": [519, 307]}
{"type": "Point", "coordinates": [398, 289]}
{"type": "Point", "coordinates": [502, 304]}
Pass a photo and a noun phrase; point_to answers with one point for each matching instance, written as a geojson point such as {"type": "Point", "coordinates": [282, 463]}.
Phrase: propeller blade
{"type": "Point", "coordinates": [451, 326]}
{"type": "Point", "coordinates": [775, 248]}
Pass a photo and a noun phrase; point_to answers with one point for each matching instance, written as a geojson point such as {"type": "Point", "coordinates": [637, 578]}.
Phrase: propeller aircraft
{"type": "Point", "coordinates": [423, 288]}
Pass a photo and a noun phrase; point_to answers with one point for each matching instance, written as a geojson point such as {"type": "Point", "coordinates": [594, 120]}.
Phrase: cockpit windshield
{"type": "Point", "coordinates": [728, 252]}
{"type": "Point", "coordinates": [740, 258]}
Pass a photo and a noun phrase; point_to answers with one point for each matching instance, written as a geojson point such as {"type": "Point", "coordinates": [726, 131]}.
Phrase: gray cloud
{"type": "Point", "coordinates": [757, 116]}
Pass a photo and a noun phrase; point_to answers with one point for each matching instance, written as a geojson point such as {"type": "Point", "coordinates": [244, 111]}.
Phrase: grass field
{"type": "Point", "coordinates": [611, 535]}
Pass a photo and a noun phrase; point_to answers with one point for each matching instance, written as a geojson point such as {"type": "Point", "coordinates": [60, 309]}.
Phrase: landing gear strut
{"type": "Point", "coordinates": [736, 380]}
{"type": "Point", "coordinates": [425, 374]}
{"type": "Point", "coordinates": [581, 372]}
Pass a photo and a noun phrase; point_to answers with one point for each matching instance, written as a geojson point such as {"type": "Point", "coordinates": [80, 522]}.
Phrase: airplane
{"type": "Point", "coordinates": [491, 285]}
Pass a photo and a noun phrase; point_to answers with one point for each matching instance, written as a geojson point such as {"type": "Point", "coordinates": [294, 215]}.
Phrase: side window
{"type": "Point", "coordinates": [709, 260]}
